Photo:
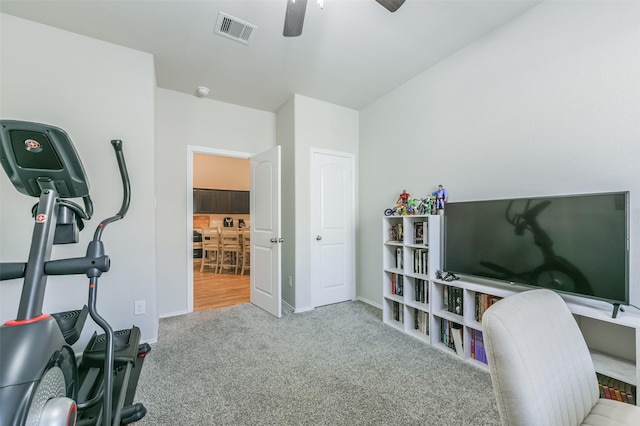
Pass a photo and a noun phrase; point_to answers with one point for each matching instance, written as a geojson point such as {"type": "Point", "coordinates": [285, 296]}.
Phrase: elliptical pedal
{"type": "Point", "coordinates": [128, 360]}
{"type": "Point", "coordinates": [125, 348]}
{"type": "Point", "coordinates": [71, 323]}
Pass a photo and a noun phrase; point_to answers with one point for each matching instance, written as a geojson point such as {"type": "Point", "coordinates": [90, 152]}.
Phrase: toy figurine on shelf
{"type": "Point", "coordinates": [428, 205]}
{"type": "Point", "coordinates": [413, 206]}
{"type": "Point", "coordinates": [401, 205]}
{"type": "Point", "coordinates": [442, 196]}
{"type": "Point", "coordinates": [407, 206]}
{"type": "Point", "coordinates": [404, 197]}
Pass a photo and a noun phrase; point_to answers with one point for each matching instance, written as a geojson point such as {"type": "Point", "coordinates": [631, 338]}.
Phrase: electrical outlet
{"type": "Point", "coordinates": [139, 307]}
{"type": "Point", "coordinates": [290, 281]}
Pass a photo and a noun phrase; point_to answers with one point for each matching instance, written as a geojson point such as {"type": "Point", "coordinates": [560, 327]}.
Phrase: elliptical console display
{"type": "Point", "coordinates": [41, 381]}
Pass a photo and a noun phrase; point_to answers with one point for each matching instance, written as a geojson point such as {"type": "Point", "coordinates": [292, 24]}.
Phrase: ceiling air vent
{"type": "Point", "coordinates": [234, 28]}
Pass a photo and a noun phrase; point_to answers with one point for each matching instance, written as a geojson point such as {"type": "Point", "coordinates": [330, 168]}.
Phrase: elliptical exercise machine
{"type": "Point", "coordinates": [41, 381]}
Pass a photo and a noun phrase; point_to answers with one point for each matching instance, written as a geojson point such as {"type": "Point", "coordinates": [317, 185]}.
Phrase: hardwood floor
{"type": "Point", "coordinates": [211, 290]}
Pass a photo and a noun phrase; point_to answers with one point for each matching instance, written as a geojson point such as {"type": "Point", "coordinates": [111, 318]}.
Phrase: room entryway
{"type": "Point", "coordinates": [220, 206]}
{"type": "Point", "coordinates": [257, 224]}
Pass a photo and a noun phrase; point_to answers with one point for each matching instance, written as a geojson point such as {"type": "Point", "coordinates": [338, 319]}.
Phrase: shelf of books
{"type": "Point", "coordinates": [457, 313]}
{"type": "Point", "coordinates": [448, 318]}
{"type": "Point", "coordinates": [448, 314]}
{"type": "Point", "coordinates": [458, 307]}
{"type": "Point", "coordinates": [480, 303]}
{"type": "Point", "coordinates": [411, 256]}
{"type": "Point", "coordinates": [614, 344]}
{"type": "Point", "coordinates": [619, 390]}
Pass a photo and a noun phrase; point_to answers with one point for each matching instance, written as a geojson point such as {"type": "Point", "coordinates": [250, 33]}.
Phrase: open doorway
{"type": "Point", "coordinates": [220, 185]}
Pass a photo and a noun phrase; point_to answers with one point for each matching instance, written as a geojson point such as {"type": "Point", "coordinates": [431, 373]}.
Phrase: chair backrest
{"type": "Point", "coordinates": [540, 365]}
{"type": "Point", "coordinates": [210, 237]}
{"type": "Point", "coordinates": [230, 239]}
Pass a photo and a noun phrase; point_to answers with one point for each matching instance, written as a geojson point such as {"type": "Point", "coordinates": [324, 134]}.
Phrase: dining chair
{"type": "Point", "coordinates": [230, 249]}
{"type": "Point", "coordinates": [246, 251]}
{"type": "Point", "coordinates": [210, 248]}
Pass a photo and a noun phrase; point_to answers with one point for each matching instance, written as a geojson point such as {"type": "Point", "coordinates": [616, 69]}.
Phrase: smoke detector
{"type": "Point", "coordinates": [234, 28]}
{"type": "Point", "coordinates": [202, 91]}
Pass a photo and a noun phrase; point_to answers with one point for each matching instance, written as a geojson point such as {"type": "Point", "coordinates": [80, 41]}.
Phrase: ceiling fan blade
{"type": "Point", "coordinates": [391, 5]}
{"type": "Point", "coordinates": [294, 18]}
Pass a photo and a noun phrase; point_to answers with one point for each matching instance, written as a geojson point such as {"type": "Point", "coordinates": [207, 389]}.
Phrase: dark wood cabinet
{"type": "Point", "coordinates": [223, 202]}
{"type": "Point", "coordinates": [240, 202]}
{"type": "Point", "coordinates": [218, 201]}
{"type": "Point", "coordinates": [204, 201]}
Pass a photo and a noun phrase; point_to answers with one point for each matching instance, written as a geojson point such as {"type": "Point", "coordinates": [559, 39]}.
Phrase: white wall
{"type": "Point", "coordinates": [96, 92]}
{"type": "Point", "coordinates": [547, 104]}
{"type": "Point", "coordinates": [181, 121]}
{"type": "Point", "coordinates": [321, 125]}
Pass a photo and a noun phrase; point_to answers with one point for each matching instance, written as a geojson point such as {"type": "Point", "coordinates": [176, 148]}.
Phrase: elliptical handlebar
{"type": "Point", "coordinates": [126, 187]}
{"type": "Point", "coordinates": [96, 251]}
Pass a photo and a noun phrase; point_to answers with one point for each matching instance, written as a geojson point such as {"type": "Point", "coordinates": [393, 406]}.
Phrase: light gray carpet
{"type": "Point", "coordinates": [335, 365]}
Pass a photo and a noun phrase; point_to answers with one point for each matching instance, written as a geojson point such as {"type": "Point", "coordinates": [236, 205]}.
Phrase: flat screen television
{"type": "Point", "coordinates": [577, 244]}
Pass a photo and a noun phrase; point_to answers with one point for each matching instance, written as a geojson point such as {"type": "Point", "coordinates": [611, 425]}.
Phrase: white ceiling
{"type": "Point", "coordinates": [350, 53]}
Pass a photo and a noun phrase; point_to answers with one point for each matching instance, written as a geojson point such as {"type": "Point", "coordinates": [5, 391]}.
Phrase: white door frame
{"type": "Point", "coordinates": [191, 150]}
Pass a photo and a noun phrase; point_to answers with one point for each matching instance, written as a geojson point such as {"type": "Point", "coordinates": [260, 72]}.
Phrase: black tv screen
{"type": "Point", "coordinates": [574, 244]}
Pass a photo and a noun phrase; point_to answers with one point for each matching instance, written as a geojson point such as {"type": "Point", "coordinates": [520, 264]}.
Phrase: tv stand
{"type": "Point", "coordinates": [448, 314]}
{"type": "Point", "coordinates": [616, 308]}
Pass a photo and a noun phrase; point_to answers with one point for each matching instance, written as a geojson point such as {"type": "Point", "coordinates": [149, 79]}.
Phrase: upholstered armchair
{"type": "Point", "coordinates": [540, 365]}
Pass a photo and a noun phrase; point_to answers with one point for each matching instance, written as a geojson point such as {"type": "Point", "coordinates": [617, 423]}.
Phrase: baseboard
{"type": "Point", "coordinates": [290, 308]}
{"type": "Point", "coordinates": [369, 302]}
{"type": "Point", "coordinates": [173, 314]}
{"type": "Point", "coordinates": [287, 307]}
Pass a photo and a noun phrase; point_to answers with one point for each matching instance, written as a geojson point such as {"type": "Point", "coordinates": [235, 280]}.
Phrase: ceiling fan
{"type": "Point", "coordinates": [294, 17]}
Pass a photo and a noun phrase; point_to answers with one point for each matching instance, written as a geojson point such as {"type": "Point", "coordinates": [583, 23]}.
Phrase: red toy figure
{"type": "Point", "coordinates": [404, 197]}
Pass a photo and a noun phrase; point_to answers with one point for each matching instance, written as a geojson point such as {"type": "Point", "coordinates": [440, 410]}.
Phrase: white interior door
{"type": "Point", "coordinates": [266, 240]}
{"type": "Point", "coordinates": [332, 228]}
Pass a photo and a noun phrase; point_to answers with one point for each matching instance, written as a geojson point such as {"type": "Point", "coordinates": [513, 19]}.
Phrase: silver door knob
{"type": "Point", "coordinates": [274, 240]}
{"type": "Point", "coordinates": [318, 237]}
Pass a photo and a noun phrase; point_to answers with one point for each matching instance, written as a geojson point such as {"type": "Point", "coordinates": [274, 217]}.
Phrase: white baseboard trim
{"type": "Point", "coordinates": [287, 307]}
{"type": "Point", "coordinates": [369, 302]}
{"type": "Point", "coordinates": [173, 314]}
{"type": "Point", "coordinates": [310, 308]}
